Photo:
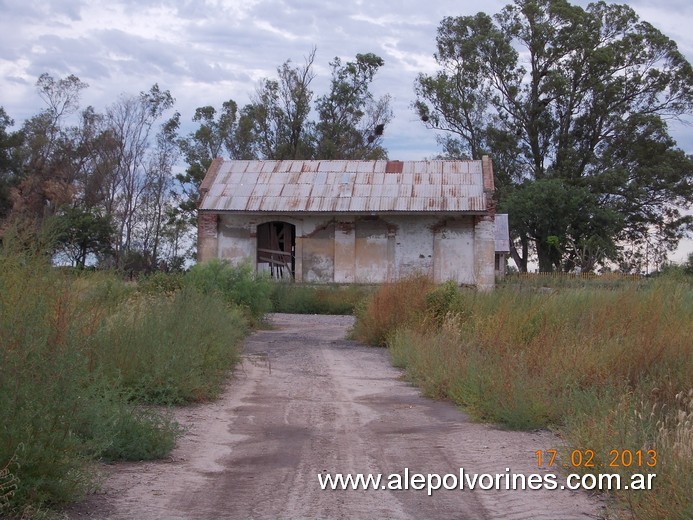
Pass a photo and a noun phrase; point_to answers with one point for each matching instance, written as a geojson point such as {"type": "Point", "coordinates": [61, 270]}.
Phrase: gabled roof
{"type": "Point", "coordinates": [347, 186]}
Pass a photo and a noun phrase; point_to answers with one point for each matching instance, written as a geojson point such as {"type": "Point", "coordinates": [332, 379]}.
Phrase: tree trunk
{"type": "Point", "coordinates": [545, 257]}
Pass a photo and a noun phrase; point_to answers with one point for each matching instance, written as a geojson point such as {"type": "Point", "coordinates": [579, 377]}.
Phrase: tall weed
{"type": "Point", "coordinates": [170, 350]}
{"type": "Point", "coordinates": [78, 356]}
{"type": "Point", "coordinates": [56, 410]}
{"type": "Point", "coordinates": [318, 299]}
{"type": "Point", "coordinates": [237, 285]}
{"type": "Point", "coordinates": [392, 305]}
{"type": "Point", "coordinates": [608, 368]}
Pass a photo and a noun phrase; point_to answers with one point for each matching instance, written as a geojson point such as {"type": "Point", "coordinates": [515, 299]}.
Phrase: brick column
{"type": "Point", "coordinates": [484, 253]}
{"type": "Point", "coordinates": [207, 236]}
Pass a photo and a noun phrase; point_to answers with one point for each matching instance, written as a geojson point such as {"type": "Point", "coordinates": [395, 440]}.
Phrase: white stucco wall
{"type": "Point", "coordinates": [348, 249]}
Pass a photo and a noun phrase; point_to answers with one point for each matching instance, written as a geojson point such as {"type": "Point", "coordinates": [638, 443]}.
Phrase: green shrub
{"type": "Point", "coordinates": [610, 368]}
{"type": "Point", "coordinates": [79, 354]}
{"type": "Point", "coordinates": [171, 350]}
{"type": "Point", "coordinates": [57, 412]}
{"type": "Point", "coordinates": [161, 283]}
{"type": "Point", "coordinates": [237, 285]}
{"type": "Point", "coordinates": [317, 299]}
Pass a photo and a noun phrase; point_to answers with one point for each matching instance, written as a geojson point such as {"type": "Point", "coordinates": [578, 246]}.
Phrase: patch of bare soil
{"type": "Point", "coordinates": [304, 402]}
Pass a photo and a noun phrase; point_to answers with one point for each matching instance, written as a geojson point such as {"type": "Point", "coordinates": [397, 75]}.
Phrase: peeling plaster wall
{"type": "Point", "coordinates": [484, 253]}
{"type": "Point", "coordinates": [237, 239]}
{"type": "Point", "coordinates": [413, 245]}
{"type": "Point", "coordinates": [453, 248]}
{"type": "Point", "coordinates": [370, 249]}
{"type": "Point", "coordinates": [318, 251]}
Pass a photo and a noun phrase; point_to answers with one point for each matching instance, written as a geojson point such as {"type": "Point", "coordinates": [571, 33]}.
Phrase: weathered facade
{"type": "Point", "coordinates": [352, 221]}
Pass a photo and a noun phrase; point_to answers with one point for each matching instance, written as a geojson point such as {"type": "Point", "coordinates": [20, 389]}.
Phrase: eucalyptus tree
{"type": "Point", "coordinates": [48, 155]}
{"type": "Point", "coordinates": [218, 134]}
{"type": "Point", "coordinates": [276, 123]}
{"type": "Point", "coordinates": [131, 121]}
{"type": "Point", "coordinates": [350, 121]}
{"type": "Point", "coordinates": [555, 91]}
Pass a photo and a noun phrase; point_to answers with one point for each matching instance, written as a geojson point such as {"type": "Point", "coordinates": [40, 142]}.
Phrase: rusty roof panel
{"type": "Point", "coordinates": [361, 190]}
{"type": "Point", "coordinates": [362, 166]}
{"type": "Point", "coordinates": [216, 190]}
{"type": "Point", "coordinates": [268, 190]}
{"type": "Point", "coordinates": [356, 186]}
{"type": "Point", "coordinates": [376, 190]}
{"type": "Point", "coordinates": [344, 190]}
{"type": "Point", "coordinates": [426, 190]}
{"type": "Point", "coordinates": [262, 166]}
{"type": "Point", "coordinates": [237, 204]}
{"type": "Point", "coordinates": [307, 177]}
{"type": "Point", "coordinates": [254, 203]}
{"type": "Point", "coordinates": [327, 204]}
{"type": "Point", "coordinates": [357, 203]}
{"type": "Point", "coordinates": [402, 204]}
{"type": "Point", "coordinates": [333, 166]}
{"type": "Point", "coordinates": [321, 190]}
{"type": "Point", "coordinates": [289, 190]}
{"type": "Point", "coordinates": [364, 177]}
{"type": "Point", "coordinates": [294, 166]}
{"type": "Point", "coordinates": [392, 178]}
{"type": "Point", "coordinates": [320, 178]}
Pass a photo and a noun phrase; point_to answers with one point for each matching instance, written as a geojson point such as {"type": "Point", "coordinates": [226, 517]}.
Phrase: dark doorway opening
{"type": "Point", "coordinates": [276, 247]}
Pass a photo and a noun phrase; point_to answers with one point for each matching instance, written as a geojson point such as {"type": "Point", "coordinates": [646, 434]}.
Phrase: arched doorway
{"type": "Point", "coordinates": [276, 246]}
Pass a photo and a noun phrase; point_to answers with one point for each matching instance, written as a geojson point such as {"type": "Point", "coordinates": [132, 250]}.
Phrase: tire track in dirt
{"type": "Point", "coordinates": [305, 401]}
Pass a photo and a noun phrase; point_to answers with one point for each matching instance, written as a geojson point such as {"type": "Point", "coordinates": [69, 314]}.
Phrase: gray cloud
{"type": "Point", "coordinates": [223, 48]}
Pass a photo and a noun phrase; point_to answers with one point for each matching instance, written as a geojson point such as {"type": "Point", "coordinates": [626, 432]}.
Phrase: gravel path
{"type": "Point", "coordinates": [304, 402]}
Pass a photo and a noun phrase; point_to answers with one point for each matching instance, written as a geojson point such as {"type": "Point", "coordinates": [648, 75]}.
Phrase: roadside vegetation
{"type": "Point", "coordinates": [84, 356]}
{"type": "Point", "coordinates": [319, 298]}
{"type": "Point", "coordinates": [607, 367]}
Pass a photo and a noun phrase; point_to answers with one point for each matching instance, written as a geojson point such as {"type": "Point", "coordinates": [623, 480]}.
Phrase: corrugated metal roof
{"type": "Point", "coordinates": [344, 186]}
{"type": "Point", "coordinates": [502, 234]}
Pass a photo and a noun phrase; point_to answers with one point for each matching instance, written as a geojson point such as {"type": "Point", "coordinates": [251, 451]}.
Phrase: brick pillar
{"type": "Point", "coordinates": [207, 236]}
{"type": "Point", "coordinates": [484, 253]}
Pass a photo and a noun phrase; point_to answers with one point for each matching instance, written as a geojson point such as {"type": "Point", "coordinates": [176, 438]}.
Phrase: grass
{"type": "Point", "coordinates": [82, 356]}
{"type": "Point", "coordinates": [607, 367]}
{"type": "Point", "coordinates": [318, 299]}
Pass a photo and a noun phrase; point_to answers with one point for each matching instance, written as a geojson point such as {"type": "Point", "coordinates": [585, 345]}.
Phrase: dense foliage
{"type": "Point", "coordinates": [572, 105]}
{"type": "Point", "coordinates": [81, 353]}
{"type": "Point", "coordinates": [607, 365]}
{"type": "Point", "coordinates": [105, 182]}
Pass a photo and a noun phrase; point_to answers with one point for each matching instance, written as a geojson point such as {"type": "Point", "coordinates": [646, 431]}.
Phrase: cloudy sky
{"type": "Point", "coordinates": [208, 51]}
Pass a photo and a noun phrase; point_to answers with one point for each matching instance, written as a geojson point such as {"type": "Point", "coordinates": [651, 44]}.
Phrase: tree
{"type": "Point", "coordinates": [556, 91]}
{"type": "Point", "coordinates": [276, 122]}
{"type": "Point", "coordinates": [10, 143]}
{"type": "Point", "coordinates": [80, 232]}
{"type": "Point", "coordinates": [569, 226]}
{"type": "Point", "coordinates": [46, 155]}
{"type": "Point", "coordinates": [351, 122]}
{"type": "Point", "coordinates": [131, 121]}
{"type": "Point", "coordinates": [217, 135]}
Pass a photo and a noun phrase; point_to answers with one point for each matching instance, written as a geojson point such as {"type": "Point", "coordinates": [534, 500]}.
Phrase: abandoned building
{"type": "Point", "coordinates": [352, 221]}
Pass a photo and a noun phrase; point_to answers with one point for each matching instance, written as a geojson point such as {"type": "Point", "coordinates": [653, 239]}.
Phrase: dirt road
{"type": "Point", "coordinates": [307, 402]}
